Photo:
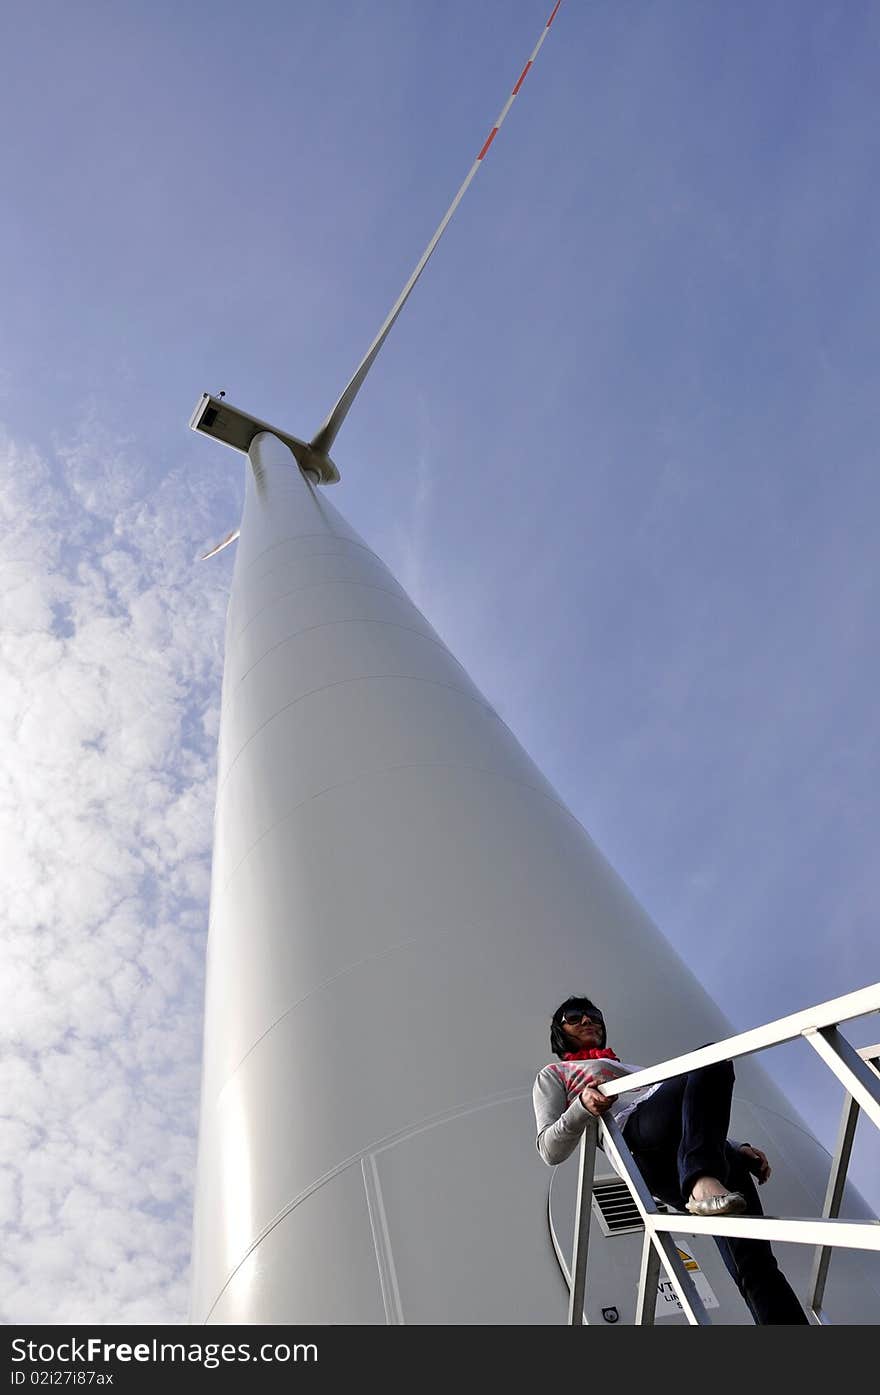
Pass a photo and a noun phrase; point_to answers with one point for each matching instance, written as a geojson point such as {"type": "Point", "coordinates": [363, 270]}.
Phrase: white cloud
{"type": "Point", "coordinates": [110, 667]}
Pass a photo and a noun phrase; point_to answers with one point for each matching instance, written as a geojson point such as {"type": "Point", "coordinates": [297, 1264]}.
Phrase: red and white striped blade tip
{"type": "Point", "coordinates": [324, 437]}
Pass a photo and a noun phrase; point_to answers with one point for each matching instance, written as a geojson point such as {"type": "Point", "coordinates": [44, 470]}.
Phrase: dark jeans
{"type": "Point", "coordinates": [680, 1134]}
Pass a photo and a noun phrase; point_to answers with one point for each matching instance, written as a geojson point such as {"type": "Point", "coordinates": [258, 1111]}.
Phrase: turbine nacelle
{"type": "Point", "coordinates": [217, 418]}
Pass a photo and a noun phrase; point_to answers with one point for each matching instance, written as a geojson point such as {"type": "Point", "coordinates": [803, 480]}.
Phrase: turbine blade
{"type": "Point", "coordinates": [230, 538]}
{"type": "Point", "coordinates": [326, 435]}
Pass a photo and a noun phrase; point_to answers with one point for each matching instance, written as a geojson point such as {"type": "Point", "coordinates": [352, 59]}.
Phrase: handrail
{"type": "Point", "coordinates": [836, 1010]}
{"type": "Point", "coordinates": [858, 1070]}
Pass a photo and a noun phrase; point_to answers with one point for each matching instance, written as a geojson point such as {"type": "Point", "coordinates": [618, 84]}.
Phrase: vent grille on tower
{"type": "Point", "coordinates": [614, 1207]}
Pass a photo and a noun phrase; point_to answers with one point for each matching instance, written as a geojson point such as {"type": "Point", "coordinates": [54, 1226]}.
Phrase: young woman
{"type": "Point", "coordinates": [677, 1133]}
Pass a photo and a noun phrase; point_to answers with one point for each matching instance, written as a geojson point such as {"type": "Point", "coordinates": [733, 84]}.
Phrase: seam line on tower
{"type": "Point", "coordinates": [310, 586]}
{"type": "Point", "coordinates": [346, 620]}
{"type": "Point", "coordinates": [310, 557]}
{"type": "Point", "coordinates": [382, 1242]}
{"type": "Point", "coordinates": [406, 765]}
{"type": "Point", "coordinates": [503, 1097]}
{"type": "Point", "coordinates": [298, 537]}
{"type": "Point", "coordinates": [344, 682]}
{"type": "Point", "coordinates": [318, 988]}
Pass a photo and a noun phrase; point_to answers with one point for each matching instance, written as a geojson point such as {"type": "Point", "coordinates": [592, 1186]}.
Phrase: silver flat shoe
{"type": "Point", "coordinates": [730, 1204]}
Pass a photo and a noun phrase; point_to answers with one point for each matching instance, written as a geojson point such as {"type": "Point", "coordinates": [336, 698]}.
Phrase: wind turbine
{"type": "Point", "coordinates": [399, 900]}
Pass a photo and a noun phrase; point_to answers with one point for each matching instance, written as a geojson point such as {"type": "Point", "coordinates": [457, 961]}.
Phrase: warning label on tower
{"type": "Point", "coordinates": [667, 1299]}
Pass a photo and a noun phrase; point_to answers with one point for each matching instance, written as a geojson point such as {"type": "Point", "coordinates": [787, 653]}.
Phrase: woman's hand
{"type": "Point", "coordinates": [594, 1101]}
{"type": "Point", "coordinates": [764, 1170]}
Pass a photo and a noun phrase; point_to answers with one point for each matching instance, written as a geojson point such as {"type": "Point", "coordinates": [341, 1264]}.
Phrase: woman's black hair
{"type": "Point", "coordinates": [558, 1043]}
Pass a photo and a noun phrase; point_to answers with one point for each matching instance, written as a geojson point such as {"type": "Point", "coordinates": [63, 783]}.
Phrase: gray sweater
{"type": "Point", "coordinates": [559, 1114]}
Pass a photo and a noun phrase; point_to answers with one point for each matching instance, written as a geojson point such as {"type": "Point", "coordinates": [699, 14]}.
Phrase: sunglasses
{"type": "Point", "coordinates": [572, 1017]}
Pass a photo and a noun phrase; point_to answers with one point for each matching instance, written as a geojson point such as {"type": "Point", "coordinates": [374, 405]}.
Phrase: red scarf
{"type": "Point", "coordinates": [592, 1053]}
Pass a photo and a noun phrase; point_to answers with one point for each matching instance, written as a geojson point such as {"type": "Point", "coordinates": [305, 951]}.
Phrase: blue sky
{"type": "Point", "coordinates": [620, 447]}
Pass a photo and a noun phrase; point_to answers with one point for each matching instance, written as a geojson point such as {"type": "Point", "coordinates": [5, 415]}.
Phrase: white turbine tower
{"type": "Point", "coordinates": [399, 900]}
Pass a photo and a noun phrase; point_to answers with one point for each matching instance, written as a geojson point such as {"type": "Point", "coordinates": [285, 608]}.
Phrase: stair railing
{"type": "Point", "coordinates": [858, 1070]}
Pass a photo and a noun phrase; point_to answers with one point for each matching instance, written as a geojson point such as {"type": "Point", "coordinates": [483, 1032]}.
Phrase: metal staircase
{"type": "Point", "coordinates": [858, 1070]}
